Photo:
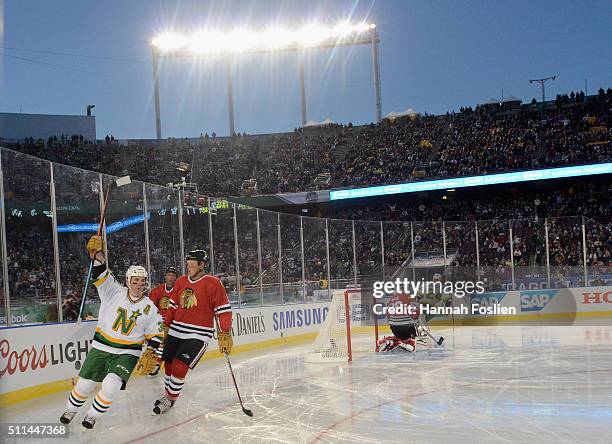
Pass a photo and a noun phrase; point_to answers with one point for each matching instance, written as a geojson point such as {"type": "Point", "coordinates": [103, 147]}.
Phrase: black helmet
{"type": "Point", "coordinates": [197, 255]}
{"type": "Point", "coordinates": [171, 270]}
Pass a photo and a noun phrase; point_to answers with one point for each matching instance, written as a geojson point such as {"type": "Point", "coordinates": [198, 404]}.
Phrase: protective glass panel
{"type": "Point", "coordinates": [369, 253]}
{"type": "Point", "coordinates": [270, 265]}
{"type": "Point", "coordinates": [529, 237]}
{"type": "Point", "coordinates": [293, 290]}
{"type": "Point", "coordinates": [164, 236]}
{"type": "Point", "coordinates": [29, 243]}
{"type": "Point", "coordinates": [341, 253]}
{"type": "Point", "coordinates": [124, 226]}
{"type": "Point", "coordinates": [315, 258]}
{"type": "Point", "coordinates": [565, 250]}
{"type": "Point", "coordinates": [398, 250]}
{"type": "Point", "coordinates": [247, 249]}
{"type": "Point", "coordinates": [494, 246]}
{"type": "Point", "coordinates": [77, 197]}
{"type": "Point", "coordinates": [224, 251]}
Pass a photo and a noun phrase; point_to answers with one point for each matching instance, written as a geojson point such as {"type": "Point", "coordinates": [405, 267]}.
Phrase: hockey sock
{"type": "Point", "coordinates": [177, 380]}
{"type": "Point", "coordinates": [167, 374]}
{"type": "Point", "coordinates": [79, 394]}
{"type": "Point", "coordinates": [111, 384]}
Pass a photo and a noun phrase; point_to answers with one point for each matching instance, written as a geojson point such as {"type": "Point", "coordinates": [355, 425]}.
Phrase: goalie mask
{"type": "Point", "coordinates": [139, 286]}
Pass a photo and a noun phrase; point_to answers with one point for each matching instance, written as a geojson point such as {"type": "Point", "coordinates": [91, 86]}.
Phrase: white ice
{"type": "Point", "coordinates": [488, 384]}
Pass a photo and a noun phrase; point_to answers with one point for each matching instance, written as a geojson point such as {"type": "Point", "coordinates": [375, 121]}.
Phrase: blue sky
{"type": "Point", "coordinates": [435, 56]}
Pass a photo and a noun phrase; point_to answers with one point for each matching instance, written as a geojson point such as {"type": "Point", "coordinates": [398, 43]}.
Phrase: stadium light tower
{"type": "Point", "coordinates": [542, 82]}
{"type": "Point", "coordinates": [271, 40]}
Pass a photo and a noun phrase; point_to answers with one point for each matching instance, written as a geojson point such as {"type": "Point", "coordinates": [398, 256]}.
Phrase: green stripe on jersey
{"type": "Point", "coordinates": [101, 339]}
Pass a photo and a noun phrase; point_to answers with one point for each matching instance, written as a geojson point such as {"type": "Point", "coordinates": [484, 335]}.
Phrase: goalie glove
{"type": "Point", "coordinates": [94, 245]}
{"type": "Point", "coordinates": [147, 362]}
{"type": "Point", "coordinates": [225, 342]}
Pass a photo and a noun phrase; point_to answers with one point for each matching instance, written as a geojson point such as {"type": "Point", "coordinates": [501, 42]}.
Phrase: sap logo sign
{"type": "Point", "coordinates": [488, 301]}
{"type": "Point", "coordinates": [536, 301]}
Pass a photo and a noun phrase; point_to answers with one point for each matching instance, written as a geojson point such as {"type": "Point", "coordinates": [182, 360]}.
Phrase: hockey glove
{"type": "Point", "coordinates": [94, 245]}
{"type": "Point", "coordinates": [147, 362]}
{"type": "Point", "coordinates": [225, 342]}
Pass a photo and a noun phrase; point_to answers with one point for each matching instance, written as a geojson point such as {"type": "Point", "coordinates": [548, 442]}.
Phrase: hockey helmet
{"type": "Point", "coordinates": [197, 255]}
{"type": "Point", "coordinates": [170, 270]}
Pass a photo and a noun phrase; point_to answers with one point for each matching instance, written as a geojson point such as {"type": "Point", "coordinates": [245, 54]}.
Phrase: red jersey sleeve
{"type": "Point", "coordinates": [174, 300]}
{"type": "Point", "coordinates": [154, 296]}
{"type": "Point", "coordinates": [222, 307]}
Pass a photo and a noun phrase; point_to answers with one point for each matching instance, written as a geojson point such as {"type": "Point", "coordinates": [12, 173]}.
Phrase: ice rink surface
{"type": "Point", "coordinates": [488, 384]}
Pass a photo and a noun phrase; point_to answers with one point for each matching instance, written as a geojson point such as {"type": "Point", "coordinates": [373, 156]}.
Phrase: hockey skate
{"type": "Point", "coordinates": [155, 371]}
{"type": "Point", "coordinates": [162, 405]}
{"type": "Point", "coordinates": [89, 422]}
{"type": "Point", "coordinates": [68, 416]}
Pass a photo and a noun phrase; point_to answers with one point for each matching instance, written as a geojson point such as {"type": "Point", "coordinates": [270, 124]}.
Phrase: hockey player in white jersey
{"type": "Point", "coordinates": [127, 319]}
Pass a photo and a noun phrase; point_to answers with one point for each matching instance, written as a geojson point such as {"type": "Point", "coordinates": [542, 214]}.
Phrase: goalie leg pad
{"type": "Point", "coordinates": [388, 343]}
{"type": "Point", "coordinates": [408, 345]}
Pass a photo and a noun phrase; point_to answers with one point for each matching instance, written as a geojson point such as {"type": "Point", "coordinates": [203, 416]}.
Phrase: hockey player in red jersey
{"type": "Point", "coordinates": [160, 296]}
{"type": "Point", "coordinates": [196, 299]}
{"type": "Point", "coordinates": [402, 314]}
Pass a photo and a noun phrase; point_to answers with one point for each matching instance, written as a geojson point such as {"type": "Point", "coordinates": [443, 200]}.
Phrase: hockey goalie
{"type": "Point", "coordinates": [408, 334]}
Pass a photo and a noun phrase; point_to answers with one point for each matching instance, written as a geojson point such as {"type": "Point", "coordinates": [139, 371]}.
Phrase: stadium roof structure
{"type": "Point", "coordinates": [510, 98]}
{"type": "Point", "coordinates": [397, 114]}
{"type": "Point", "coordinates": [325, 122]}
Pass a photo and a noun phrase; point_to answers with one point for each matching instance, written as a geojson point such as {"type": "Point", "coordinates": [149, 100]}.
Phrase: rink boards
{"type": "Point", "coordinates": [563, 306]}
{"type": "Point", "coordinates": [43, 359]}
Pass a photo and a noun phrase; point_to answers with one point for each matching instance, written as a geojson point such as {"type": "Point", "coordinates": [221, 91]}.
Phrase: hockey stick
{"type": "Point", "coordinates": [229, 364]}
{"type": "Point", "coordinates": [437, 341]}
{"type": "Point", "coordinates": [125, 180]}
{"type": "Point", "coordinates": [244, 410]}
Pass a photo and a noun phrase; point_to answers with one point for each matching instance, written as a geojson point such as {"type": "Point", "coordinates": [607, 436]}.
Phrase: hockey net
{"type": "Point", "coordinates": [346, 318]}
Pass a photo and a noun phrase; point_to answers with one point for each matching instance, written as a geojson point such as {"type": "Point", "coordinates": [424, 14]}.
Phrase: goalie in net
{"type": "Point", "coordinates": [405, 322]}
{"type": "Point", "coordinates": [351, 327]}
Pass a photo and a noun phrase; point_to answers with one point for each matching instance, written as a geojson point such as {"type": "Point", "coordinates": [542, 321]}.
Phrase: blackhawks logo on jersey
{"type": "Point", "coordinates": [188, 298]}
{"type": "Point", "coordinates": [164, 303]}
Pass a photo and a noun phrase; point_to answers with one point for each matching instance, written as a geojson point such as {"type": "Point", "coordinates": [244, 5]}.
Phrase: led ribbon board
{"type": "Point", "coordinates": [93, 228]}
{"type": "Point", "coordinates": [473, 181]}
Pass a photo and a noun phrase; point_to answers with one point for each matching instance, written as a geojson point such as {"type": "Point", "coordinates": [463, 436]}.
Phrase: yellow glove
{"type": "Point", "coordinates": [225, 342]}
{"type": "Point", "coordinates": [147, 362]}
{"type": "Point", "coordinates": [94, 245]}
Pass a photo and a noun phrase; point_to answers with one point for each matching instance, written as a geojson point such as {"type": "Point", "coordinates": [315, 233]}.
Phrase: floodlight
{"type": "Point", "coordinates": [169, 41]}
{"type": "Point", "coordinates": [312, 35]}
{"type": "Point", "coordinates": [210, 42]}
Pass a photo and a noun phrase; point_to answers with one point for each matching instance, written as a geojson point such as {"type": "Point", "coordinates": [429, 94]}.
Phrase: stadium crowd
{"type": "Point", "coordinates": [573, 130]}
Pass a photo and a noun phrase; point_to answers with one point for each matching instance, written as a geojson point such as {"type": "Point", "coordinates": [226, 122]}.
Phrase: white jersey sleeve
{"type": "Point", "coordinates": [108, 285]}
{"type": "Point", "coordinates": [154, 327]}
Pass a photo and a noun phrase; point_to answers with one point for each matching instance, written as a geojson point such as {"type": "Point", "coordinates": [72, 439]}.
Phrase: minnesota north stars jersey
{"type": "Point", "coordinates": [124, 325]}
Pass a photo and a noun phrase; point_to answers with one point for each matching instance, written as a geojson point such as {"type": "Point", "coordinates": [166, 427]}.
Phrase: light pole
{"type": "Point", "coordinates": [542, 81]}
{"type": "Point", "coordinates": [213, 43]}
{"type": "Point", "coordinates": [542, 149]}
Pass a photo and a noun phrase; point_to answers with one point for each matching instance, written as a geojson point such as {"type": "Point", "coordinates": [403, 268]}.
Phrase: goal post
{"type": "Point", "coordinates": [349, 328]}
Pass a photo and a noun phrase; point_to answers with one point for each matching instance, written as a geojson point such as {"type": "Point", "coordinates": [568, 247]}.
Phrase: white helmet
{"type": "Point", "coordinates": [137, 271]}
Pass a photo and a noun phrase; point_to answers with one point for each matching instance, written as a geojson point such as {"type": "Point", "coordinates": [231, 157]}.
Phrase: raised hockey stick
{"type": "Point", "coordinates": [125, 180]}
{"type": "Point", "coordinates": [229, 364]}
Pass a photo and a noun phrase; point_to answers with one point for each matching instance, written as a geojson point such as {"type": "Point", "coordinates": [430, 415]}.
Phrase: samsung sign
{"type": "Point", "coordinates": [473, 181]}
